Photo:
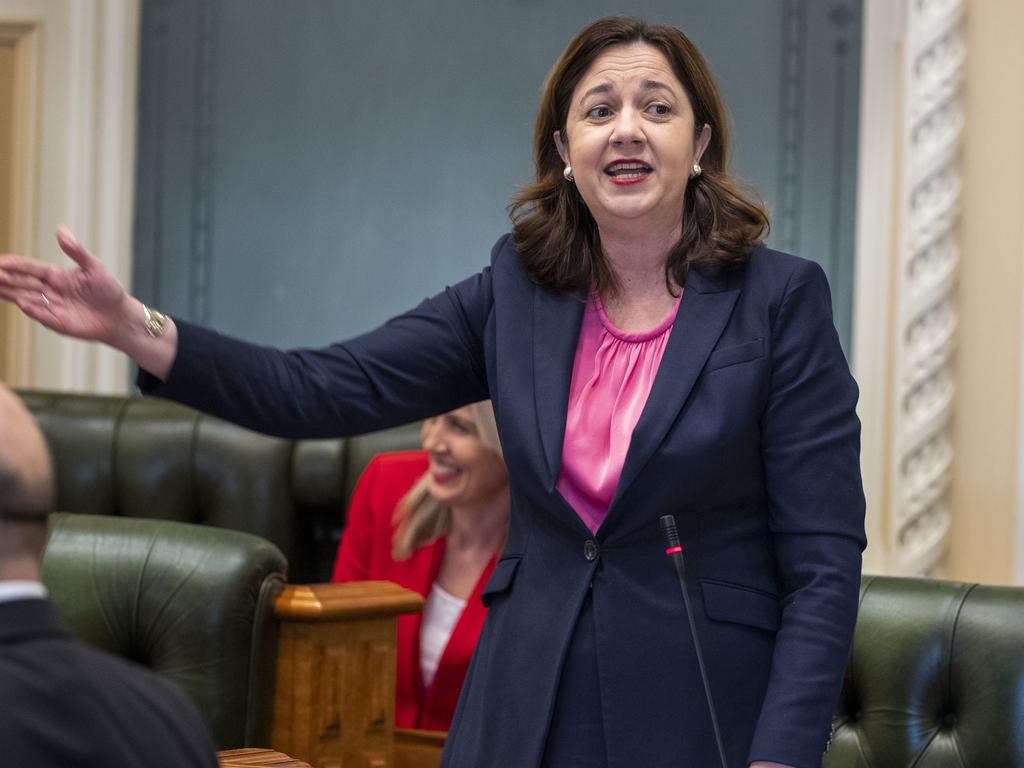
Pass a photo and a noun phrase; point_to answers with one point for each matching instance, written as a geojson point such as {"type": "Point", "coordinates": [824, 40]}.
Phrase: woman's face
{"type": "Point", "coordinates": [630, 139]}
{"type": "Point", "coordinates": [462, 470]}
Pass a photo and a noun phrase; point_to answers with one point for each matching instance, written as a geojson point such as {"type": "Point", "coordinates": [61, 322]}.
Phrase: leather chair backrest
{"type": "Point", "coordinates": [192, 603]}
{"type": "Point", "coordinates": [144, 457]}
{"type": "Point", "coordinates": [936, 678]}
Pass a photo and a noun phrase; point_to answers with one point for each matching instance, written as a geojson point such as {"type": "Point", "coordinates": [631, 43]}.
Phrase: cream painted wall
{"type": "Point", "coordinates": [987, 432]}
{"type": "Point", "coordinates": [85, 160]}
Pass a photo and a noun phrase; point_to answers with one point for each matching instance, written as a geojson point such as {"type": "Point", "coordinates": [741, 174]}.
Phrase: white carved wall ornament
{"type": "Point", "coordinates": [928, 257]}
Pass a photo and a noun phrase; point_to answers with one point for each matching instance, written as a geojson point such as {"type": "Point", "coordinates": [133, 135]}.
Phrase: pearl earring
{"type": "Point", "coordinates": [696, 170]}
{"type": "Point", "coordinates": [567, 173]}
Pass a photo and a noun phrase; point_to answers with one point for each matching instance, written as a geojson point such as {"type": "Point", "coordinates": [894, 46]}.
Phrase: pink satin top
{"type": "Point", "coordinates": [612, 375]}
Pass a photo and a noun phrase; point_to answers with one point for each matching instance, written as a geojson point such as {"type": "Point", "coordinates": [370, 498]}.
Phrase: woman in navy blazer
{"type": "Point", "coordinates": [747, 435]}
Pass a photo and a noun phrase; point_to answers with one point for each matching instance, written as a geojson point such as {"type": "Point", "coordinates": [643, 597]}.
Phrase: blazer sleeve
{"type": "Point", "coordinates": [424, 362]}
{"type": "Point", "coordinates": [811, 461]}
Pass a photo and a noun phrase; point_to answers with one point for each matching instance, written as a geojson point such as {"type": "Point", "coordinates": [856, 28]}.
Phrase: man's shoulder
{"type": "Point", "coordinates": [136, 685]}
{"type": "Point", "coordinates": [58, 665]}
{"type": "Point", "coordinates": [108, 704]}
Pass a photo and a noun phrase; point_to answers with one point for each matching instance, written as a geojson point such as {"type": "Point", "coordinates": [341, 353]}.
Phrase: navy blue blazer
{"type": "Point", "coordinates": [749, 437]}
{"type": "Point", "coordinates": [69, 705]}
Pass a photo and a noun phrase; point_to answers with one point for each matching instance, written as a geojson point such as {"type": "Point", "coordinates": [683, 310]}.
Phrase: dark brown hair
{"type": "Point", "coordinates": [553, 229]}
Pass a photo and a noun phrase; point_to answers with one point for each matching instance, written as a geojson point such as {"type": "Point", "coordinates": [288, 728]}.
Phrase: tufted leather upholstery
{"type": "Point", "coordinates": [936, 678]}
{"type": "Point", "coordinates": [144, 457]}
{"type": "Point", "coordinates": [193, 603]}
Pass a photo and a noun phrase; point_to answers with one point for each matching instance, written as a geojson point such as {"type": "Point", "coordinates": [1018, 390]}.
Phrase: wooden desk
{"type": "Point", "coordinates": [416, 748]}
{"type": "Point", "coordinates": [413, 749]}
{"type": "Point", "coordinates": [335, 699]}
{"type": "Point", "coordinates": [247, 758]}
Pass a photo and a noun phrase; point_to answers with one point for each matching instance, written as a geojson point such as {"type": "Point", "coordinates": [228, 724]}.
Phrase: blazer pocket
{"type": "Point", "coordinates": [501, 579]}
{"type": "Point", "coordinates": [739, 353]}
{"type": "Point", "coordinates": [741, 605]}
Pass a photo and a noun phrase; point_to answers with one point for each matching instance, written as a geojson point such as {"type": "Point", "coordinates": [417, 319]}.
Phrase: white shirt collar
{"type": "Point", "coordinates": [22, 590]}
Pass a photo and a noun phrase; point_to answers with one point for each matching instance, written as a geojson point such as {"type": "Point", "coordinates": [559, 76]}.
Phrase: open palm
{"type": "Point", "coordinates": [85, 301]}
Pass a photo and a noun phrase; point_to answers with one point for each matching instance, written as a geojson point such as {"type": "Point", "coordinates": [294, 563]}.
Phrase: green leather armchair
{"type": "Point", "coordinates": [935, 680]}
{"type": "Point", "coordinates": [144, 457]}
{"type": "Point", "coordinates": [305, 669]}
{"type": "Point", "coordinates": [194, 604]}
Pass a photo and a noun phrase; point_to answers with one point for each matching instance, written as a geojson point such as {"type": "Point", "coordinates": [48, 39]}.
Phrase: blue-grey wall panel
{"type": "Point", "coordinates": [306, 170]}
{"type": "Point", "coordinates": [168, 129]}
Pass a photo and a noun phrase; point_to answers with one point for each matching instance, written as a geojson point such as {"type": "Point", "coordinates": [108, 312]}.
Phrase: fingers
{"type": "Point", "coordinates": [32, 281]}
{"type": "Point", "coordinates": [37, 307]}
{"type": "Point", "coordinates": [34, 303]}
{"type": "Point", "coordinates": [49, 310]}
{"type": "Point", "coordinates": [74, 249]}
{"type": "Point", "coordinates": [18, 271]}
{"type": "Point", "coordinates": [12, 267]}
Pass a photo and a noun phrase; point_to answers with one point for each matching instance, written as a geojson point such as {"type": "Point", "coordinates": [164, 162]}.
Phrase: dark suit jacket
{"type": "Point", "coordinates": [68, 705]}
{"type": "Point", "coordinates": [365, 553]}
{"type": "Point", "coordinates": [749, 437]}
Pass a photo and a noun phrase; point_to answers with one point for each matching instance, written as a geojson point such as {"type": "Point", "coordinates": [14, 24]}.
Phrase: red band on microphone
{"type": "Point", "coordinates": [673, 550]}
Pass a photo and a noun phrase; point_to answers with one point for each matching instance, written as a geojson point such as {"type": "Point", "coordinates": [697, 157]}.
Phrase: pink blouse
{"type": "Point", "coordinates": [612, 376]}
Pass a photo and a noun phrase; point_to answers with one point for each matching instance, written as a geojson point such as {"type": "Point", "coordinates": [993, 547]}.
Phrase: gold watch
{"type": "Point", "coordinates": [156, 322]}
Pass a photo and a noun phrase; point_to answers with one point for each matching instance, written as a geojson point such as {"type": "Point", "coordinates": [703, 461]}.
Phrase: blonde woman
{"type": "Point", "coordinates": [433, 521]}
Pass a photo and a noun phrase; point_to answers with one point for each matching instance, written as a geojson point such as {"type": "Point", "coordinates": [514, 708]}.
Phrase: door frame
{"type": "Point", "coordinates": [16, 352]}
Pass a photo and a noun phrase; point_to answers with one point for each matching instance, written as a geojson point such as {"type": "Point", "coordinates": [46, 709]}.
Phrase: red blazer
{"type": "Point", "coordinates": [365, 553]}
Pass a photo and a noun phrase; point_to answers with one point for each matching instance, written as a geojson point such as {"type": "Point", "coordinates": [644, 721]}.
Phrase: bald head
{"type": "Point", "coordinates": [26, 486]}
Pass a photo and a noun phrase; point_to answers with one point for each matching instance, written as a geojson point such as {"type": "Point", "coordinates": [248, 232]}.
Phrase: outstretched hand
{"type": "Point", "coordinates": [85, 301]}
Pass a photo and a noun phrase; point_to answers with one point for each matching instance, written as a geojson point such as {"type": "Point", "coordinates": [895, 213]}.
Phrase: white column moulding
{"type": "Point", "coordinates": [100, 163]}
{"type": "Point", "coordinates": [114, 146]}
{"type": "Point", "coordinates": [79, 133]}
{"type": "Point", "coordinates": [920, 470]}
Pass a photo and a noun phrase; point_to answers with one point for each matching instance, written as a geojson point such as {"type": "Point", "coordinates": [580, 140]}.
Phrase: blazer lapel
{"type": "Point", "coordinates": [556, 329]}
{"type": "Point", "coordinates": [703, 313]}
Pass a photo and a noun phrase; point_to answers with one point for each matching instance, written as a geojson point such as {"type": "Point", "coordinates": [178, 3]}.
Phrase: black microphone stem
{"type": "Point", "coordinates": [675, 553]}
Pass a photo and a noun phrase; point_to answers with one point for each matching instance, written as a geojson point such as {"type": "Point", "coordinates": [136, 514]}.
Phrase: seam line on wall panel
{"type": "Point", "coordinates": [202, 175]}
{"type": "Point", "coordinates": [794, 26]}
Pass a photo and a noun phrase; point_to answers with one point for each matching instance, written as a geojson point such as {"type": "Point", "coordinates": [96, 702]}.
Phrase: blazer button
{"type": "Point", "coordinates": [590, 549]}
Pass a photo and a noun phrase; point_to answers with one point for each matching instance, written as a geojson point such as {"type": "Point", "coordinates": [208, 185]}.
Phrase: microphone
{"type": "Point", "coordinates": [674, 550]}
